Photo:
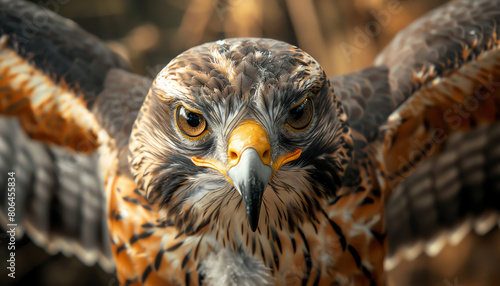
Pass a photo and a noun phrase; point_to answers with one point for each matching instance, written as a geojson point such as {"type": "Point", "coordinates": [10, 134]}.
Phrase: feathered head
{"type": "Point", "coordinates": [245, 130]}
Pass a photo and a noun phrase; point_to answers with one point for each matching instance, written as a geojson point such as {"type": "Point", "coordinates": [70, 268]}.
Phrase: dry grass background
{"type": "Point", "coordinates": [343, 36]}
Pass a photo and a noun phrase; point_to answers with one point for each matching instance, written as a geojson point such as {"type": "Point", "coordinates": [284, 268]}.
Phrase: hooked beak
{"type": "Point", "coordinates": [250, 166]}
{"type": "Point", "coordinates": [250, 177]}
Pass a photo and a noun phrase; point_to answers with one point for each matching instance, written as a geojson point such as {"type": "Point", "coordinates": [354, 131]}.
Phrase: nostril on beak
{"type": "Point", "coordinates": [249, 134]}
{"type": "Point", "coordinates": [266, 156]}
{"type": "Point", "coordinates": [233, 157]}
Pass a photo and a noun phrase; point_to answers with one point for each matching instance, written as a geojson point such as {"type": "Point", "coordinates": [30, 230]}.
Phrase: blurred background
{"type": "Point", "coordinates": [343, 36]}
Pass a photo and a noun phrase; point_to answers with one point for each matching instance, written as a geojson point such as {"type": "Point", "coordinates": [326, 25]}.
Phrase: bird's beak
{"type": "Point", "coordinates": [250, 165]}
{"type": "Point", "coordinates": [250, 177]}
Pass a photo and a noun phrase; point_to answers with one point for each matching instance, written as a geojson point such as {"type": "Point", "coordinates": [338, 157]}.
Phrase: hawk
{"type": "Point", "coordinates": [241, 162]}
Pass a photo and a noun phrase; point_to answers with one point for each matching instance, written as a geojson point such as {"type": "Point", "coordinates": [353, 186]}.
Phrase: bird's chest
{"type": "Point", "coordinates": [336, 245]}
{"type": "Point", "coordinates": [321, 252]}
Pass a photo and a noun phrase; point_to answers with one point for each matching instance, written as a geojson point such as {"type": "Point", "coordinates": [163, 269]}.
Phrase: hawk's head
{"type": "Point", "coordinates": [242, 130]}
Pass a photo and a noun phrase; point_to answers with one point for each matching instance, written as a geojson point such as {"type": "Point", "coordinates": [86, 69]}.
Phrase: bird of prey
{"type": "Point", "coordinates": [242, 163]}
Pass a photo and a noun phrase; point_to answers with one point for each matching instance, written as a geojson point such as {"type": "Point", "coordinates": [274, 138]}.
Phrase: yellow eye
{"type": "Point", "coordinates": [300, 116]}
{"type": "Point", "coordinates": [191, 124]}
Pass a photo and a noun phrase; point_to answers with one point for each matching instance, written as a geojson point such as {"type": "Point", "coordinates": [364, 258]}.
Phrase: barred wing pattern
{"type": "Point", "coordinates": [431, 105]}
{"type": "Point", "coordinates": [59, 200]}
{"type": "Point", "coordinates": [63, 87]}
{"type": "Point", "coordinates": [444, 72]}
{"type": "Point", "coordinates": [52, 72]}
{"type": "Point", "coordinates": [444, 76]}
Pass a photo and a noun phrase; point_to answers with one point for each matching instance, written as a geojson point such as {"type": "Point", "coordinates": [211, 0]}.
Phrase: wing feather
{"type": "Point", "coordinates": [447, 196]}
{"type": "Point", "coordinates": [73, 104]}
{"type": "Point", "coordinates": [51, 72]}
{"type": "Point", "coordinates": [59, 197]}
{"type": "Point", "coordinates": [454, 85]}
{"type": "Point", "coordinates": [367, 101]}
{"type": "Point", "coordinates": [440, 43]}
{"type": "Point", "coordinates": [439, 145]}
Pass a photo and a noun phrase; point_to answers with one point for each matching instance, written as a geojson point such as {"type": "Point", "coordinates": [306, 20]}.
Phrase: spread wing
{"type": "Point", "coordinates": [445, 76]}
{"type": "Point", "coordinates": [58, 196]}
{"type": "Point", "coordinates": [447, 196]}
{"type": "Point", "coordinates": [67, 103]}
{"type": "Point", "coordinates": [438, 139]}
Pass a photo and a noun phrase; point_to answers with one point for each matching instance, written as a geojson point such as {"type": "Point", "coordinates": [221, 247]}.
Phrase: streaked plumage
{"type": "Point", "coordinates": [175, 212]}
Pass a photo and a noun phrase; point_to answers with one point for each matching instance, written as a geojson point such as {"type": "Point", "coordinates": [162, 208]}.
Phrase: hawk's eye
{"type": "Point", "coordinates": [300, 116]}
{"type": "Point", "coordinates": [191, 124]}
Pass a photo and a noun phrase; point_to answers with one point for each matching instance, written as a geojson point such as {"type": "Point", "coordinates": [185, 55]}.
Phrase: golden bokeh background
{"type": "Point", "coordinates": [343, 36]}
